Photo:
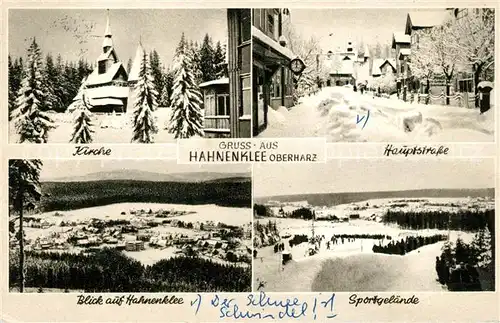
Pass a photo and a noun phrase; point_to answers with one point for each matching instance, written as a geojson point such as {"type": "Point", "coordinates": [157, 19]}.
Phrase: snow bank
{"type": "Point", "coordinates": [276, 117]}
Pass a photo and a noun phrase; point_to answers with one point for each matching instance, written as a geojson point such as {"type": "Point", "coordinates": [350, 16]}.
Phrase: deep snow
{"type": "Point", "coordinates": [339, 114]}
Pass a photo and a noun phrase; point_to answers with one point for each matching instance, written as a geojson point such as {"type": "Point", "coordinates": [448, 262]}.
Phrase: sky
{"type": "Point", "coordinates": [367, 25]}
{"type": "Point", "coordinates": [160, 29]}
{"type": "Point", "coordinates": [367, 175]}
{"type": "Point", "coordinates": [53, 168]}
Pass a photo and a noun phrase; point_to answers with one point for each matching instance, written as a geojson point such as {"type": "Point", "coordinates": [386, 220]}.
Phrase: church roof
{"type": "Point", "coordinates": [95, 78]}
{"type": "Point", "coordinates": [107, 54]}
{"type": "Point", "coordinates": [136, 64]}
{"type": "Point", "coordinates": [220, 81]}
{"type": "Point", "coordinates": [109, 91]}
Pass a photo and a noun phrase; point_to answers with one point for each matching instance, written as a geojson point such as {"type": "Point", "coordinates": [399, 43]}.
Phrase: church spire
{"type": "Point", "coordinates": [107, 42]}
{"type": "Point", "coordinates": [108, 28]}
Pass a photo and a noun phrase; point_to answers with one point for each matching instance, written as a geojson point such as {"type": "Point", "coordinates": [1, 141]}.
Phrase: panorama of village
{"type": "Point", "coordinates": [413, 239]}
{"type": "Point", "coordinates": [357, 75]}
{"type": "Point", "coordinates": [119, 76]}
{"type": "Point", "coordinates": [129, 230]}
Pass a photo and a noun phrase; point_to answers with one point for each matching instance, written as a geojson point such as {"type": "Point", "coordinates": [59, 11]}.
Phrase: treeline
{"type": "Point", "coordinates": [77, 195]}
{"type": "Point", "coordinates": [62, 80]}
{"type": "Point", "coordinates": [362, 236]}
{"type": "Point", "coordinates": [301, 213]}
{"type": "Point", "coordinates": [262, 210]}
{"type": "Point", "coordinates": [109, 270]}
{"type": "Point", "coordinates": [408, 244]}
{"type": "Point", "coordinates": [464, 220]}
{"type": "Point", "coordinates": [298, 239]}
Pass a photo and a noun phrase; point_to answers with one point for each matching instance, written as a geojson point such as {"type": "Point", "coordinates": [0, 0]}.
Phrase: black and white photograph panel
{"type": "Point", "coordinates": [128, 76]}
{"type": "Point", "coordinates": [129, 226]}
{"type": "Point", "coordinates": [374, 75]}
{"type": "Point", "coordinates": [375, 225]}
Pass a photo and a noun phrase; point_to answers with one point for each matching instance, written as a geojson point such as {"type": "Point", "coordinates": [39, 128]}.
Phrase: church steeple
{"type": "Point", "coordinates": [107, 42]}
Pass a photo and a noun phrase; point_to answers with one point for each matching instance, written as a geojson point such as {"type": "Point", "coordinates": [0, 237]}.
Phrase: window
{"type": "Point", "coordinates": [245, 30]}
{"type": "Point", "coordinates": [102, 67]}
{"type": "Point", "coordinates": [270, 23]}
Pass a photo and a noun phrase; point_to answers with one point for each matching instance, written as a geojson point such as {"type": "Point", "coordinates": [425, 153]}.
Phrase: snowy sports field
{"type": "Point", "coordinates": [351, 266]}
{"type": "Point", "coordinates": [341, 115]}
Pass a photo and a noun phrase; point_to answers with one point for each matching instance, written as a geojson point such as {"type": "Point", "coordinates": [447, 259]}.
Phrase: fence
{"type": "Point", "coordinates": [465, 99]}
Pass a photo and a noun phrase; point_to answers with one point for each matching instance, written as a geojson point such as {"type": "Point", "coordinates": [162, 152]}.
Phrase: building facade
{"type": "Point", "coordinates": [239, 72]}
{"type": "Point", "coordinates": [272, 80]}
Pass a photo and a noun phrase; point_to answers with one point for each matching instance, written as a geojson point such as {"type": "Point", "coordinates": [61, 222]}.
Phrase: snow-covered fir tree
{"type": "Point", "coordinates": [481, 246]}
{"type": "Point", "coordinates": [144, 122]}
{"type": "Point", "coordinates": [187, 119]}
{"type": "Point", "coordinates": [30, 117]}
{"type": "Point", "coordinates": [24, 188]}
{"type": "Point", "coordinates": [82, 122]}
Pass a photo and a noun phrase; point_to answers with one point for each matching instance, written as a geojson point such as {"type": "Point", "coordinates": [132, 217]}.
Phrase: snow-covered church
{"type": "Point", "coordinates": [109, 88]}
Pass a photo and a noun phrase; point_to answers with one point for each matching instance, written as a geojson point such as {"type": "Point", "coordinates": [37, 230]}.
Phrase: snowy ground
{"type": "Point", "coordinates": [351, 266]}
{"type": "Point", "coordinates": [108, 128]}
{"type": "Point", "coordinates": [334, 111]}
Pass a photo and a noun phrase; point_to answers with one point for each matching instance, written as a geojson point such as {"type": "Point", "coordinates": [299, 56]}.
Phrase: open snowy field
{"type": "Point", "coordinates": [341, 115]}
{"type": "Point", "coordinates": [108, 128]}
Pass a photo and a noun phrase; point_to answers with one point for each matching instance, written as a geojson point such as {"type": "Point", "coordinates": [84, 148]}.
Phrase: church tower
{"type": "Point", "coordinates": [107, 43]}
{"type": "Point", "coordinates": [107, 86]}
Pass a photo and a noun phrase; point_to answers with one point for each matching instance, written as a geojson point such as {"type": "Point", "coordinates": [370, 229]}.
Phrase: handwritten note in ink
{"type": "Point", "coordinates": [262, 306]}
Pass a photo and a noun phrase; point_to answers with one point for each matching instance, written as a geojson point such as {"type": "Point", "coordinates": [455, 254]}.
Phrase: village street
{"type": "Point", "coordinates": [342, 115]}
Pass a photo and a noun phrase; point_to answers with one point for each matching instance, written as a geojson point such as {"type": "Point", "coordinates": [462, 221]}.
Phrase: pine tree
{"type": "Point", "coordinates": [168, 83]}
{"type": "Point", "coordinates": [145, 104]}
{"type": "Point", "coordinates": [30, 118]}
{"type": "Point", "coordinates": [481, 247]}
{"type": "Point", "coordinates": [187, 119]}
{"type": "Point", "coordinates": [82, 122]}
{"type": "Point", "coordinates": [194, 50]}
{"type": "Point", "coordinates": [219, 60]}
{"type": "Point", "coordinates": [15, 76]}
{"type": "Point", "coordinates": [52, 81]}
{"type": "Point", "coordinates": [24, 188]}
{"type": "Point", "coordinates": [156, 72]}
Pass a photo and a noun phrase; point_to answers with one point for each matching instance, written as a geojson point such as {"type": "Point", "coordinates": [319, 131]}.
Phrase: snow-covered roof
{"type": "Point", "coordinates": [377, 63]}
{"type": "Point", "coordinates": [390, 61]}
{"type": "Point", "coordinates": [271, 43]}
{"type": "Point", "coordinates": [96, 78]}
{"type": "Point", "coordinates": [136, 64]}
{"type": "Point", "coordinates": [425, 19]}
{"type": "Point", "coordinates": [223, 80]}
{"type": "Point", "coordinates": [100, 102]}
{"type": "Point", "coordinates": [401, 38]}
{"type": "Point", "coordinates": [110, 91]}
{"type": "Point", "coordinates": [106, 55]}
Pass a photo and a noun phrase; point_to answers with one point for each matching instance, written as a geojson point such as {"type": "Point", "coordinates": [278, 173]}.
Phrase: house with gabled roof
{"type": "Point", "coordinates": [107, 85]}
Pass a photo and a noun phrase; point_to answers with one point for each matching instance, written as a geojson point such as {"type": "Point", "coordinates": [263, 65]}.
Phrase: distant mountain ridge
{"type": "Point", "coordinates": [138, 175]}
{"type": "Point", "coordinates": [330, 199]}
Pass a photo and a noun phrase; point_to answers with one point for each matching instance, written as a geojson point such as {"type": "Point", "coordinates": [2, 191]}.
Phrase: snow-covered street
{"type": "Point", "coordinates": [341, 115]}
